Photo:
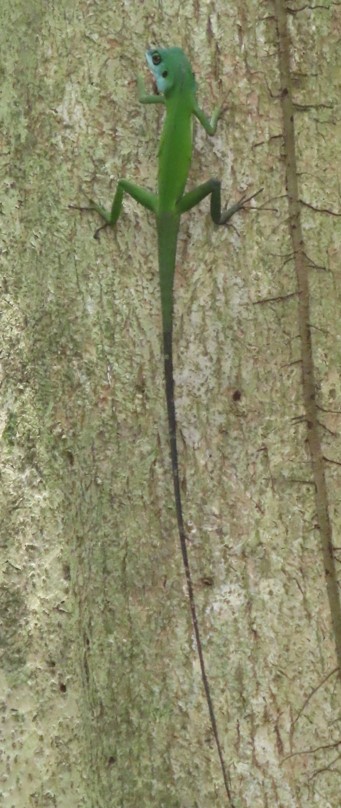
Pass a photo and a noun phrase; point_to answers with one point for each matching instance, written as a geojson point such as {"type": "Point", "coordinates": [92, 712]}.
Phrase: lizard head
{"type": "Point", "coordinates": [171, 69]}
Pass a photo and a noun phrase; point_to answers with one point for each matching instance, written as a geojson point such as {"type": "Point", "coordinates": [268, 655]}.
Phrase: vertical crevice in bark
{"type": "Point", "coordinates": [308, 374]}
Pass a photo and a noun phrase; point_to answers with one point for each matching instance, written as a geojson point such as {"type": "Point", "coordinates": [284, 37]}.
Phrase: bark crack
{"type": "Point", "coordinates": [307, 361]}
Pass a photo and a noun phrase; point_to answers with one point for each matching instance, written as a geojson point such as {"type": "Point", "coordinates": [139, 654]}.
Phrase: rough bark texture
{"type": "Point", "coordinates": [102, 703]}
{"type": "Point", "coordinates": [303, 264]}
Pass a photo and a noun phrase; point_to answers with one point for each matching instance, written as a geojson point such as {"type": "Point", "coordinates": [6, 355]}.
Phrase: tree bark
{"type": "Point", "coordinates": [102, 698]}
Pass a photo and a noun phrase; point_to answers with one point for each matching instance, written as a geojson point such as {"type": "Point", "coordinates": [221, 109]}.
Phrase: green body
{"type": "Point", "coordinates": [177, 91]}
{"type": "Point", "coordinates": [175, 153]}
{"type": "Point", "coordinates": [175, 150]}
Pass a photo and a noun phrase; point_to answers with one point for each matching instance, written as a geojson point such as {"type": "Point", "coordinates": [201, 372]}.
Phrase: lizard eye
{"type": "Point", "coordinates": [156, 58]}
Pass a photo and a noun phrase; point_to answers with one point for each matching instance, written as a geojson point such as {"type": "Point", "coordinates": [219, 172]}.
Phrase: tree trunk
{"type": "Point", "coordinates": [103, 704]}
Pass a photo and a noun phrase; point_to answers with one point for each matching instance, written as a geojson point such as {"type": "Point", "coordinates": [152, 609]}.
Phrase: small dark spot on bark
{"type": "Point", "coordinates": [70, 457]}
{"type": "Point", "coordinates": [207, 580]}
{"type": "Point", "coordinates": [236, 395]}
{"type": "Point", "coordinates": [66, 572]}
{"type": "Point", "coordinates": [62, 687]}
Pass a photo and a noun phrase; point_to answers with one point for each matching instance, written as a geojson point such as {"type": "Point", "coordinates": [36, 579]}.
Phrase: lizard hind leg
{"type": "Point", "coordinates": [212, 187]}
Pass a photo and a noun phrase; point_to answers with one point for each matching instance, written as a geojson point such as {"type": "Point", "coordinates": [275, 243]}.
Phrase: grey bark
{"type": "Point", "coordinates": [102, 697]}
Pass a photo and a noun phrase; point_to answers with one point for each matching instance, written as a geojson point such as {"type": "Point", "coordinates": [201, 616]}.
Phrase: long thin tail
{"type": "Point", "coordinates": [169, 379]}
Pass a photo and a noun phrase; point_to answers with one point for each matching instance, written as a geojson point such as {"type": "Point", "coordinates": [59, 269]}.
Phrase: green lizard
{"type": "Point", "coordinates": [176, 84]}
